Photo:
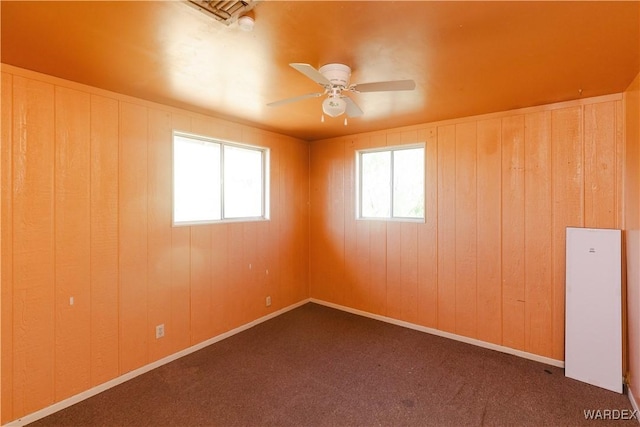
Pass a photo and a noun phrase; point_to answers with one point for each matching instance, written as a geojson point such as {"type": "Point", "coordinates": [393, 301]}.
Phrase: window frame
{"type": "Point", "coordinates": [265, 191]}
{"type": "Point", "coordinates": [358, 182]}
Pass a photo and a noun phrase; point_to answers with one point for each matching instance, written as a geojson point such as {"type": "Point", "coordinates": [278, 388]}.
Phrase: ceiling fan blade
{"type": "Point", "coordinates": [352, 109]}
{"type": "Point", "coordinates": [295, 99]}
{"type": "Point", "coordinates": [312, 73]}
{"type": "Point", "coordinates": [384, 86]}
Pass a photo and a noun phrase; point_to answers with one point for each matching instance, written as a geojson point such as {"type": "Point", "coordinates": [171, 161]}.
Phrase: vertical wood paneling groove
{"type": "Point", "coordinates": [338, 232]}
{"type": "Point", "coordinates": [427, 300]}
{"type": "Point", "coordinates": [219, 271]}
{"type": "Point", "coordinates": [350, 242]}
{"type": "Point", "coordinates": [489, 197]}
{"type": "Point", "coordinates": [133, 236]}
{"type": "Point", "coordinates": [6, 240]}
{"type": "Point", "coordinates": [33, 244]}
{"type": "Point", "coordinates": [73, 241]}
{"type": "Point", "coordinates": [600, 165]}
{"type": "Point", "coordinates": [276, 224]}
{"type": "Point", "coordinates": [237, 269]}
{"type": "Point", "coordinates": [362, 253]}
{"type": "Point", "coordinates": [249, 249]}
{"type": "Point", "coordinates": [513, 232]}
{"type": "Point", "coordinates": [568, 202]}
{"type": "Point", "coordinates": [104, 239]}
{"type": "Point", "coordinates": [280, 196]}
{"type": "Point", "coordinates": [538, 220]}
{"type": "Point", "coordinates": [446, 228]}
{"type": "Point", "coordinates": [409, 271]}
{"type": "Point", "coordinates": [619, 165]}
{"type": "Point", "coordinates": [393, 295]}
{"type": "Point", "coordinates": [159, 257]}
{"type": "Point", "coordinates": [465, 252]}
{"type": "Point", "coordinates": [583, 160]}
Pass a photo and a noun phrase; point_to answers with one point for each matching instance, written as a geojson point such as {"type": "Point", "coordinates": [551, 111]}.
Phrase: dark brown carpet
{"type": "Point", "coordinates": [316, 366]}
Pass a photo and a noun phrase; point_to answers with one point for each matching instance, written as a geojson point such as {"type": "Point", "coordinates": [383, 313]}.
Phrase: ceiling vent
{"type": "Point", "coordinates": [226, 12]}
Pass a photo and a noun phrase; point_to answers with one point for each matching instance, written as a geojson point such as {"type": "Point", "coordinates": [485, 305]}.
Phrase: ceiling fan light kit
{"type": "Point", "coordinates": [334, 78]}
{"type": "Point", "coordinates": [334, 106]}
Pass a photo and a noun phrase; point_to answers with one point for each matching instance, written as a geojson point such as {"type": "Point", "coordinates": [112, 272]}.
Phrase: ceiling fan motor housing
{"type": "Point", "coordinates": [337, 74]}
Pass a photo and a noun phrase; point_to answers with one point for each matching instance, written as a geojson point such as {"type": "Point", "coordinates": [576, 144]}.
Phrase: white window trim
{"type": "Point", "coordinates": [265, 180]}
{"type": "Point", "coordinates": [358, 179]}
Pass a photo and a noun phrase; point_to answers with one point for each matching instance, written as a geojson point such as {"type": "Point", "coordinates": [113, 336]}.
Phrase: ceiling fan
{"type": "Point", "coordinates": [334, 78]}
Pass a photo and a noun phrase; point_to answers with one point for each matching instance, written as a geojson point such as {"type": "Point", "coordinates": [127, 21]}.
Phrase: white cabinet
{"type": "Point", "coordinates": [593, 332]}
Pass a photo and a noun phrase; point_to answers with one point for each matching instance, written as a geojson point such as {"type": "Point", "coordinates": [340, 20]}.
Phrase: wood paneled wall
{"type": "Point", "coordinates": [632, 230]}
{"type": "Point", "coordinates": [86, 214]}
{"type": "Point", "coordinates": [488, 262]}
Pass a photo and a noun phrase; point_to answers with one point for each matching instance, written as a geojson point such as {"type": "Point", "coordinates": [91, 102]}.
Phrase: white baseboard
{"type": "Point", "coordinates": [144, 369]}
{"type": "Point", "coordinates": [632, 399]}
{"type": "Point", "coordinates": [484, 344]}
{"type": "Point", "coordinates": [129, 375]}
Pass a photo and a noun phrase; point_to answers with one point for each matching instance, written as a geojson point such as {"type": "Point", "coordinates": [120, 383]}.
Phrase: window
{"type": "Point", "coordinates": [218, 181]}
{"type": "Point", "coordinates": [390, 183]}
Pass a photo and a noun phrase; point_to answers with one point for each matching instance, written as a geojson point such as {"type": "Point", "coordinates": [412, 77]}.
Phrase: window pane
{"type": "Point", "coordinates": [375, 184]}
{"type": "Point", "coordinates": [408, 183]}
{"type": "Point", "coordinates": [196, 180]}
{"type": "Point", "coordinates": [242, 182]}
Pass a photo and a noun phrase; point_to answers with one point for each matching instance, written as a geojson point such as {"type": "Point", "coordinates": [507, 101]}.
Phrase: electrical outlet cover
{"type": "Point", "coordinates": [160, 331]}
